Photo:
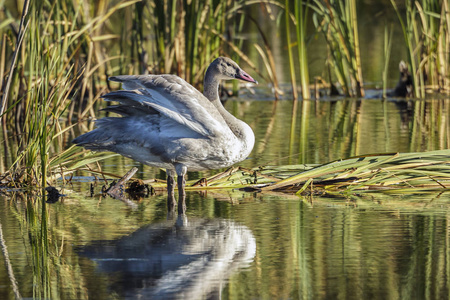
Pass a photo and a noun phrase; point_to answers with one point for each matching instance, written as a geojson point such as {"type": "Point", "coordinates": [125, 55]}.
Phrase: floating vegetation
{"type": "Point", "coordinates": [390, 172]}
{"type": "Point", "coordinates": [386, 172]}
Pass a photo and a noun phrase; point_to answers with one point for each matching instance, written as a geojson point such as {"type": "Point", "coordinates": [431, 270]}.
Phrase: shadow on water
{"type": "Point", "coordinates": [182, 258]}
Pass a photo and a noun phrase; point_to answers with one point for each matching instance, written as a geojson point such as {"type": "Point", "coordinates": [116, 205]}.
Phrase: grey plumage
{"type": "Point", "coordinates": [165, 122]}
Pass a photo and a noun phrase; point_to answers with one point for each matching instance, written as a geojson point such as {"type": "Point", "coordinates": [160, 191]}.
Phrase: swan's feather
{"type": "Point", "coordinates": [168, 123]}
{"type": "Point", "coordinates": [173, 97]}
{"type": "Point", "coordinates": [150, 103]}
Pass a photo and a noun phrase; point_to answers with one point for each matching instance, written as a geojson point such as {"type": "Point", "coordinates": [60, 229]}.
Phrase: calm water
{"type": "Point", "coordinates": [237, 245]}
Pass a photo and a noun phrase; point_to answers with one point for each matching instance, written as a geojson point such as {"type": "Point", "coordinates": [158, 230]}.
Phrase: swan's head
{"type": "Point", "coordinates": [226, 68]}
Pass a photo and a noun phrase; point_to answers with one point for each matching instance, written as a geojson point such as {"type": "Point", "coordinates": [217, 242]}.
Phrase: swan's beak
{"type": "Point", "coordinates": [242, 75]}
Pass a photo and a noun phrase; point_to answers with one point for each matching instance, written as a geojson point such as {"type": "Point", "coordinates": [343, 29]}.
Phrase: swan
{"type": "Point", "coordinates": [166, 123]}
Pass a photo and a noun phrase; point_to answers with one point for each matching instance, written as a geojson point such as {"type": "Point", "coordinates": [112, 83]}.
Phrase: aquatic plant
{"type": "Point", "coordinates": [61, 70]}
{"type": "Point", "coordinates": [290, 55]}
{"type": "Point", "coordinates": [387, 55]}
{"type": "Point", "coordinates": [426, 30]}
{"type": "Point", "coordinates": [337, 20]}
{"type": "Point", "coordinates": [390, 172]}
{"type": "Point", "coordinates": [52, 69]}
{"type": "Point", "coordinates": [301, 19]}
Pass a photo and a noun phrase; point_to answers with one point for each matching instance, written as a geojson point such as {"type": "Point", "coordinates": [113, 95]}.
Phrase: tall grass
{"type": "Point", "coordinates": [188, 35]}
{"type": "Point", "coordinates": [56, 63]}
{"type": "Point", "coordinates": [426, 30]}
{"type": "Point", "coordinates": [290, 55]}
{"type": "Point", "coordinates": [337, 20]}
{"type": "Point", "coordinates": [387, 55]}
{"type": "Point", "coordinates": [300, 20]}
{"type": "Point", "coordinates": [69, 48]}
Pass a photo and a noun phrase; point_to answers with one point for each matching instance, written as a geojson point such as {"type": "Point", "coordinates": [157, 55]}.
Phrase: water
{"type": "Point", "coordinates": [238, 245]}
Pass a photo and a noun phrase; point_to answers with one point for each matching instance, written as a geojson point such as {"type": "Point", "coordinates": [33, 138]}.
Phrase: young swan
{"type": "Point", "coordinates": [167, 123]}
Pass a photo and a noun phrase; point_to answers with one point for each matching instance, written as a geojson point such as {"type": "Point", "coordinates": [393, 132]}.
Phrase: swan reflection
{"type": "Point", "coordinates": [189, 259]}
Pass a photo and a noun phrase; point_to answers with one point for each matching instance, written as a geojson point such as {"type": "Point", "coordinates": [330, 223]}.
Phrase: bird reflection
{"type": "Point", "coordinates": [179, 258]}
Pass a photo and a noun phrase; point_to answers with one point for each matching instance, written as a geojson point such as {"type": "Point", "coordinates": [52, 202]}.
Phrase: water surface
{"type": "Point", "coordinates": [239, 245]}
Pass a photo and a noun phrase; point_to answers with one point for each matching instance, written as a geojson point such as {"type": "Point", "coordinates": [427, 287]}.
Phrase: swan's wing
{"type": "Point", "coordinates": [172, 97]}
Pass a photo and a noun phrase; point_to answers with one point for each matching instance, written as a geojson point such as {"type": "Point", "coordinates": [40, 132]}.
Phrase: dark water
{"type": "Point", "coordinates": [238, 245]}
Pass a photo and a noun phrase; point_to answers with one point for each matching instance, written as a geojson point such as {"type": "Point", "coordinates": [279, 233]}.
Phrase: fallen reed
{"type": "Point", "coordinates": [390, 172]}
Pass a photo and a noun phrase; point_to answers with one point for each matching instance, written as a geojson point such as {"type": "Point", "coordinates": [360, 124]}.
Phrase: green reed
{"type": "Point", "coordinates": [387, 55]}
{"type": "Point", "coordinates": [52, 68]}
{"type": "Point", "coordinates": [301, 18]}
{"type": "Point", "coordinates": [290, 55]}
{"type": "Point", "coordinates": [188, 35]}
{"type": "Point", "coordinates": [337, 20]}
{"type": "Point", "coordinates": [426, 30]}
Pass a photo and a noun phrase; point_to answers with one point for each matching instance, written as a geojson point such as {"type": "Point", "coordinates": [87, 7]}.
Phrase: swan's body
{"type": "Point", "coordinates": [169, 124]}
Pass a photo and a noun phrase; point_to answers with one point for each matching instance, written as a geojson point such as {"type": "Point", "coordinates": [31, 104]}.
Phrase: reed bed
{"type": "Point", "coordinates": [48, 85]}
{"type": "Point", "coordinates": [337, 20]}
{"type": "Point", "coordinates": [390, 172]}
{"type": "Point", "coordinates": [51, 72]}
{"type": "Point", "coordinates": [55, 67]}
{"type": "Point", "coordinates": [426, 30]}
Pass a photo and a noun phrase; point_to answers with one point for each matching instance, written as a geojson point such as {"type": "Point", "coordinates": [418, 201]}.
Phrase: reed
{"type": "Point", "coordinates": [387, 55]}
{"type": "Point", "coordinates": [68, 52]}
{"type": "Point", "coordinates": [400, 171]}
{"type": "Point", "coordinates": [426, 30]}
{"type": "Point", "coordinates": [50, 73]}
{"type": "Point", "coordinates": [289, 47]}
{"type": "Point", "coordinates": [337, 20]}
{"type": "Point", "coordinates": [189, 34]}
{"type": "Point", "coordinates": [389, 172]}
{"type": "Point", "coordinates": [301, 18]}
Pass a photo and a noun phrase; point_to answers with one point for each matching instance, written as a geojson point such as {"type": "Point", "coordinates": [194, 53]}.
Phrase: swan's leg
{"type": "Point", "coordinates": [181, 172]}
{"type": "Point", "coordinates": [170, 191]}
{"type": "Point", "coordinates": [181, 195]}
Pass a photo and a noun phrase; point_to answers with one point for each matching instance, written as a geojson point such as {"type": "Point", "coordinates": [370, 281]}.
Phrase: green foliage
{"type": "Point", "coordinates": [46, 79]}
{"type": "Point", "coordinates": [426, 30]}
{"type": "Point", "coordinates": [337, 20]}
{"type": "Point", "coordinates": [399, 171]}
{"type": "Point", "coordinates": [69, 48]}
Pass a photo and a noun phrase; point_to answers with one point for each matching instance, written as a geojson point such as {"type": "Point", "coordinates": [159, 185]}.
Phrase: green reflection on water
{"type": "Point", "coordinates": [322, 131]}
{"type": "Point", "coordinates": [378, 247]}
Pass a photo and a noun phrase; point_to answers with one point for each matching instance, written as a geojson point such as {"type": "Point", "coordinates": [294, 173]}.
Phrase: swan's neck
{"type": "Point", "coordinates": [240, 129]}
{"type": "Point", "coordinates": [211, 85]}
